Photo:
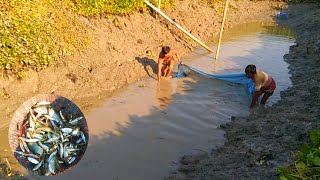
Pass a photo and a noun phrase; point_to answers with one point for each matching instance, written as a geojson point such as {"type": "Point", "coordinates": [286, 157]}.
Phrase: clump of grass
{"type": "Point", "coordinates": [308, 164]}
{"type": "Point", "coordinates": [96, 7]}
{"type": "Point", "coordinates": [33, 33]}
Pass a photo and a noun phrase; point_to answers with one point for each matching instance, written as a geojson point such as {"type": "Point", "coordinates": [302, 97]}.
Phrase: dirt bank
{"type": "Point", "coordinates": [125, 50]}
{"type": "Point", "coordinates": [270, 137]}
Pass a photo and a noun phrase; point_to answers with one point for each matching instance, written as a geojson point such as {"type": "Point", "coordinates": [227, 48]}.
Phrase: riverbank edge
{"type": "Point", "coordinates": [270, 137]}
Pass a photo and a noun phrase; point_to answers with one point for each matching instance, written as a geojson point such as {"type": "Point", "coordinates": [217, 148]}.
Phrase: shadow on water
{"type": "Point", "coordinates": [149, 142]}
{"type": "Point", "coordinates": [114, 148]}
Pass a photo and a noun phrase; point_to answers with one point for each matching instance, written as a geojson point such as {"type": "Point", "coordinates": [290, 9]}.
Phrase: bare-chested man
{"type": "Point", "coordinates": [264, 84]}
{"type": "Point", "coordinates": [166, 61]}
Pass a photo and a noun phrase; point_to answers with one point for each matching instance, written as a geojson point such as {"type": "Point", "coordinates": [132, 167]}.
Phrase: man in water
{"type": "Point", "coordinates": [264, 84]}
{"type": "Point", "coordinates": [166, 61]}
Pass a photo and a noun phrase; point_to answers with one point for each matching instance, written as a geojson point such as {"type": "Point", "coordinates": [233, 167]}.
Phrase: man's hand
{"type": "Point", "coordinates": [255, 97]}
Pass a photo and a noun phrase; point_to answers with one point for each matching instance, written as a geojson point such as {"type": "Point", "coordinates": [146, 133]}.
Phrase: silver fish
{"type": "Point", "coordinates": [26, 154]}
{"type": "Point", "coordinates": [83, 137]}
{"type": "Point", "coordinates": [30, 140]}
{"type": "Point", "coordinates": [61, 151]}
{"type": "Point", "coordinates": [38, 136]}
{"type": "Point", "coordinates": [66, 130]}
{"type": "Point", "coordinates": [52, 155]}
{"type": "Point", "coordinates": [35, 148]}
{"type": "Point", "coordinates": [44, 147]}
{"type": "Point", "coordinates": [52, 166]}
{"type": "Point", "coordinates": [79, 140]}
{"type": "Point", "coordinates": [38, 166]}
{"type": "Point", "coordinates": [22, 147]}
{"type": "Point", "coordinates": [53, 139]}
{"type": "Point", "coordinates": [65, 150]}
{"type": "Point", "coordinates": [53, 123]}
{"type": "Point", "coordinates": [32, 160]}
{"type": "Point", "coordinates": [76, 132]}
{"type": "Point", "coordinates": [71, 160]}
{"type": "Point", "coordinates": [76, 120]}
{"type": "Point", "coordinates": [25, 145]}
{"type": "Point", "coordinates": [40, 110]}
{"type": "Point", "coordinates": [55, 116]}
{"type": "Point", "coordinates": [62, 117]}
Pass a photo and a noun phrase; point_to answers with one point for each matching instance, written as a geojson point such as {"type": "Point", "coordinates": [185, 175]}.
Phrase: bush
{"type": "Point", "coordinates": [308, 164]}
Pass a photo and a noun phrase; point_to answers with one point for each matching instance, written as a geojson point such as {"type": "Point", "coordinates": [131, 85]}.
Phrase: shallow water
{"type": "Point", "coordinates": [141, 132]}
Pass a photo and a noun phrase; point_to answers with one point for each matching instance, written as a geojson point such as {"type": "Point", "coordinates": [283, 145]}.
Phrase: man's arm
{"type": "Point", "coordinates": [178, 57]}
{"type": "Point", "coordinates": [255, 97]}
{"type": "Point", "coordinates": [175, 52]}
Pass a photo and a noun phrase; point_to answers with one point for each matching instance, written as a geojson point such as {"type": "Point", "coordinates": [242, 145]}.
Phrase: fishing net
{"type": "Point", "coordinates": [184, 70]}
{"type": "Point", "coordinates": [57, 103]}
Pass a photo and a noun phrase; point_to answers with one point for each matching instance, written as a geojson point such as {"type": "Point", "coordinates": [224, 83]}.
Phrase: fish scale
{"type": "Point", "coordinates": [53, 139]}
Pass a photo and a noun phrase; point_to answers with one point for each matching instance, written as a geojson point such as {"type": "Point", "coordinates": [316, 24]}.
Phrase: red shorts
{"type": "Point", "coordinates": [271, 87]}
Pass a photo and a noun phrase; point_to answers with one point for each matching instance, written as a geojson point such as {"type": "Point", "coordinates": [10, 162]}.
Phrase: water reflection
{"type": "Point", "coordinates": [164, 93]}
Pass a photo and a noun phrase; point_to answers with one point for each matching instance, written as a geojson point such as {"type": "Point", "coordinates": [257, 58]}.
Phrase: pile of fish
{"type": "Point", "coordinates": [50, 141]}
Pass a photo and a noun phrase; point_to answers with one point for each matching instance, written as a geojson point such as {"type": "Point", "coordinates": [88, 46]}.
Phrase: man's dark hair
{"type": "Point", "coordinates": [251, 69]}
{"type": "Point", "coordinates": [165, 49]}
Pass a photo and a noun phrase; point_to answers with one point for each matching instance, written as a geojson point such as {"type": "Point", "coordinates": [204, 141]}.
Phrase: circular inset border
{"type": "Point", "coordinates": [57, 103]}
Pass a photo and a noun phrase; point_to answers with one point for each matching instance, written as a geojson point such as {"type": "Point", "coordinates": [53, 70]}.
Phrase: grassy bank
{"type": "Point", "coordinates": [95, 7]}
{"type": "Point", "coordinates": [35, 33]}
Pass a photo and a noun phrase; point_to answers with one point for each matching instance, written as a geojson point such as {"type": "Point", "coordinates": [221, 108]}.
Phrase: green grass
{"type": "Point", "coordinates": [96, 7]}
{"type": "Point", "coordinates": [34, 33]}
{"type": "Point", "coordinates": [307, 166]}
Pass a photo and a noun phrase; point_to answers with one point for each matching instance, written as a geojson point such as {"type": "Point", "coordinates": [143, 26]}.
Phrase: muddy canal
{"type": "Point", "coordinates": [140, 132]}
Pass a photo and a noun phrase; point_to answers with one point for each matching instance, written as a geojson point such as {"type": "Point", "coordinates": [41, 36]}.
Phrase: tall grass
{"type": "Point", "coordinates": [94, 7]}
{"type": "Point", "coordinates": [33, 33]}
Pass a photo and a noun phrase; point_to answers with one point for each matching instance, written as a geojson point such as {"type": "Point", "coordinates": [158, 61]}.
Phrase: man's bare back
{"type": "Point", "coordinates": [166, 61]}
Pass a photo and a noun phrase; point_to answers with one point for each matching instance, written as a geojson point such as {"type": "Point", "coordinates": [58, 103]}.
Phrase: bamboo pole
{"type": "Point", "coordinates": [221, 30]}
{"type": "Point", "coordinates": [178, 26]}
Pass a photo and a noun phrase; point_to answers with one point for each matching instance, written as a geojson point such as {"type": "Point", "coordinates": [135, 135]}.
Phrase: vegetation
{"type": "Point", "coordinates": [94, 7]}
{"type": "Point", "coordinates": [308, 164]}
{"type": "Point", "coordinates": [34, 33]}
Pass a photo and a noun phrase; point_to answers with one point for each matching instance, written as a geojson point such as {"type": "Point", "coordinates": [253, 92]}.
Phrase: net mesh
{"type": "Point", "coordinates": [241, 78]}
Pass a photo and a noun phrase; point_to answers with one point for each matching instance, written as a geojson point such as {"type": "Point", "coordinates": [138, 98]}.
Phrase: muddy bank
{"type": "Point", "coordinates": [123, 53]}
{"type": "Point", "coordinates": [269, 137]}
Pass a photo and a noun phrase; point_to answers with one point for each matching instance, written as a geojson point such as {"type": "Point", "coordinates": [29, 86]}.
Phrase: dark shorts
{"type": "Point", "coordinates": [271, 87]}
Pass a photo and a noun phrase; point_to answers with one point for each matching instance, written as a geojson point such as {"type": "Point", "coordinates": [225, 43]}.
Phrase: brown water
{"type": "Point", "coordinates": [141, 132]}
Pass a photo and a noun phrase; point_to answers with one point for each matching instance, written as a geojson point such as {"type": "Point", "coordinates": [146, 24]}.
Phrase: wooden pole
{"type": "Point", "coordinates": [221, 30]}
{"type": "Point", "coordinates": [178, 26]}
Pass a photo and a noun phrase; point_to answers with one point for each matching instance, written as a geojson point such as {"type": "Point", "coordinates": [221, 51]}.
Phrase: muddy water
{"type": "Point", "coordinates": [141, 132]}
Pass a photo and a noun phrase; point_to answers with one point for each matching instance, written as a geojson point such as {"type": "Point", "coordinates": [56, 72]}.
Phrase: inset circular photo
{"type": "Point", "coordinates": [48, 135]}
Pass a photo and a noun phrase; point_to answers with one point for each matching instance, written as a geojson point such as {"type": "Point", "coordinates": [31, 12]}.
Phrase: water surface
{"type": "Point", "coordinates": [141, 132]}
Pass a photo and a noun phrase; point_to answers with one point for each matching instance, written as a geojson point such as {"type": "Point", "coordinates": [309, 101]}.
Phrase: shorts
{"type": "Point", "coordinates": [271, 87]}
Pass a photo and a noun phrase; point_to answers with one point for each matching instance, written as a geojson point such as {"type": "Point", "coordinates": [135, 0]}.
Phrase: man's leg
{"type": "Point", "coordinates": [265, 97]}
{"type": "Point", "coordinates": [169, 68]}
{"type": "Point", "coordinates": [163, 70]}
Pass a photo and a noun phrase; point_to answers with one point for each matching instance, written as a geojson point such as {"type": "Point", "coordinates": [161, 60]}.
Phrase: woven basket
{"type": "Point", "coordinates": [57, 103]}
